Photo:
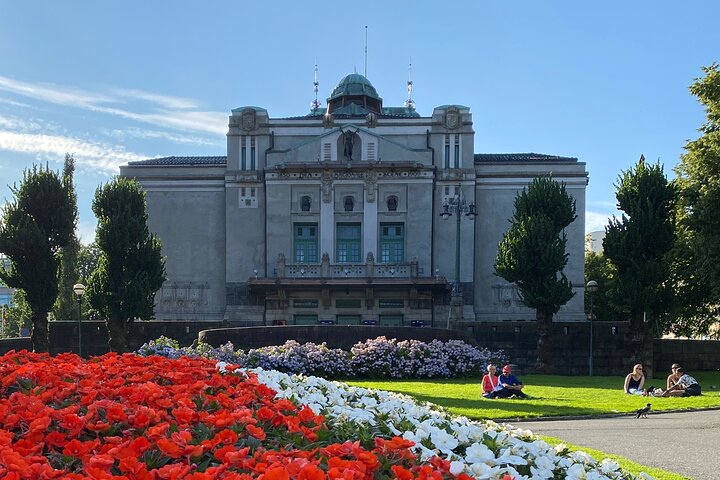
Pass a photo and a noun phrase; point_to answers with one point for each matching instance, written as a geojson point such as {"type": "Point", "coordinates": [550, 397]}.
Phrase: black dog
{"type": "Point", "coordinates": [643, 411]}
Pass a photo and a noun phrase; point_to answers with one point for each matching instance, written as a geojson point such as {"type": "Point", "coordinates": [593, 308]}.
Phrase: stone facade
{"type": "Point", "coordinates": [335, 218]}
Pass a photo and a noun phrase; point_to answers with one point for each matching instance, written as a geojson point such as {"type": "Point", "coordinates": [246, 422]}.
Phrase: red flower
{"type": "Point", "coordinates": [256, 432]}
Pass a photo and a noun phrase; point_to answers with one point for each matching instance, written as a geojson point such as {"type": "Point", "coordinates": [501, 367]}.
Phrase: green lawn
{"type": "Point", "coordinates": [551, 396]}
{"type": "Point", "coordinates": [554, 396]}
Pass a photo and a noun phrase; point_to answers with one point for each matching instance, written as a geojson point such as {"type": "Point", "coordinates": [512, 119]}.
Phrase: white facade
{"type": "Point", "coordinates": [335, 217]}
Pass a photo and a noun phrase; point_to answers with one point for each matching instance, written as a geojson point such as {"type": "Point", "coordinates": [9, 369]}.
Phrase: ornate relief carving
{"type": "Point", "coordinates": [328, 120]}
{"type": "Point", "coordinates": [506, 296]}
{"type": "Point", "coordinates": [189, 297]}
{"type": "Point", "coordinates": [248, 119]}
{"type": "Point", "coordinates": [327, 184]}
{"type": "Point", "coordinates": [371, 120]}
{"type": "Point", "coordinates": [452, 118]}
{"type": "Point", "coordinates": [371, 185]}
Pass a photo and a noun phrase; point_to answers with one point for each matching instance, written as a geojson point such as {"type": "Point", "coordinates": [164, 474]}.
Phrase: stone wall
{"type": "Point", "coordinates": [610, 346]}
{"type": "Point", "coordinates": [336, 336]}
{"type": "Point", "coordinates": [517, 339]}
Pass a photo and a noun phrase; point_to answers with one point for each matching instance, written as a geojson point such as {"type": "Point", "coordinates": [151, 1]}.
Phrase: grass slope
{"type": "Point", "coordinates": [554, 395]}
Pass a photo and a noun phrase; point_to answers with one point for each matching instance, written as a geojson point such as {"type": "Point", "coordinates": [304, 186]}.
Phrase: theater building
{"type": "Point", "coordinates": [356, 213]}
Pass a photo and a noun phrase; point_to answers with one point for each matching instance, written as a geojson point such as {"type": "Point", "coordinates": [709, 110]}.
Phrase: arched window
{"type": "Point", "coordinates": [305, 202]}
{"type": "Point", "coordinates": [349, 203]}
{"type": "Point", "coordinates": [392, 203]}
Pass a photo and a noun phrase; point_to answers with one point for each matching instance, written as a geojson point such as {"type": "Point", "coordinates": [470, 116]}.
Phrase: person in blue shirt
{"type": "Point", "coordinates": [512, 386]}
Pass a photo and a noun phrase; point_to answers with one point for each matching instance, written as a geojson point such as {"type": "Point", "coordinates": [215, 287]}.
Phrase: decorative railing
{"type": "Point", "coordinates": [325, 269]}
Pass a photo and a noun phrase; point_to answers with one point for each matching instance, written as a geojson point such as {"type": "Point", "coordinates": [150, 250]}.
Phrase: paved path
{"type": "Point", "coordinates": [686, 443]}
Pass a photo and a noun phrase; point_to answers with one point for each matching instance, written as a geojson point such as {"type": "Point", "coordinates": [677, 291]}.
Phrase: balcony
{"type": "Point", "coordinates": [348, 274]}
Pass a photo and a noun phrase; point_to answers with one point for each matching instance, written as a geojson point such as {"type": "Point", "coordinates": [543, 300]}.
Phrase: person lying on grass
{"type": "Point", "coordinates": [511, 386]}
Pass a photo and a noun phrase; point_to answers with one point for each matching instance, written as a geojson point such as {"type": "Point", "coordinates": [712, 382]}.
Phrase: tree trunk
{"type": "Point", "coordinates": [40, 335]}
{"type": "Point", "coordinates": [117, 331]}
{"type": "Point", "coordinates": [641, 345]}
{"type": "Point", "coordinates": [544, 363]}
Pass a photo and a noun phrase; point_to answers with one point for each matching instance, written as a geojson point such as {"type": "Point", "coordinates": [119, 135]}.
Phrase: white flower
{"type": "Point", "coordinates": [436, 433]}
{"type": "Point", "coordinates": [457, 467]}
{"type": "Point", "coordinates": [479, 453]}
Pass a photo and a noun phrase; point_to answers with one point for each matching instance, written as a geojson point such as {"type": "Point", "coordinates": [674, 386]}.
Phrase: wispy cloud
{"type": "Point", "coordinates": [143, 133]}
{"type": "Point", "coordinates": [97, 156]}
{"type": "Point", "coordinates": [161, 110]}
{"type": "Point", "coordinates": [596, 220]}
{"type": "Point", "coordinates": [53, 93]}
{"type": "Point", "coordinates": [166, 101]}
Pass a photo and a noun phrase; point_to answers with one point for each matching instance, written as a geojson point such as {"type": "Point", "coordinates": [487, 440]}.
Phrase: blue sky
{"type": "Point", "coordinates": [113, 82]}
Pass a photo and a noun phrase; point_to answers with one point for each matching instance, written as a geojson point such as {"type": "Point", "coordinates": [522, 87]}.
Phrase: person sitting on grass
{"type": "Point", "coordinates": [686, 386]}
{"type": "Point", "coordinates": [511, 386]}
{"type": "Point", "coordinates": [634, 381]}
{"type": "Point", "coordinates": [673, 378]}
{"type": "Point", "coordinates": [490, 383]}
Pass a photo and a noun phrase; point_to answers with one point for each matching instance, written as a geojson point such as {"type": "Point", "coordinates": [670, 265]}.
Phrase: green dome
{"type": "Point", "coordinates": [354, 84]}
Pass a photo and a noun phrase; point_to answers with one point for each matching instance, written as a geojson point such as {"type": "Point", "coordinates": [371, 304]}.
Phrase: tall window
{"type": "Point", "coordinates": [348, 242]}
{"type": "Point", "coordinates": [306, 243]}
{"type": "Point", "coordinates": [456, 151]}
{"type": "Point", "coordinates": [392, 242]}
{"type": "Point", "coordinates": [243, 153]}
{"type": "Point", "coordinates": [446, 151]}
{"type": "Point", "coordinates": [252, 153]}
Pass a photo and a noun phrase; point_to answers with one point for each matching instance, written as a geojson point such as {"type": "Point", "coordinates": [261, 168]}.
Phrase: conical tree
{"type": "Point", "coordinates": [66, 307]}
{"type": "Point", "coordinates": [532, 254]}
{"type": "Point", "coordinates": [637, 245]}
{"type": "Point", "coordinates": [35, 227]}
{"type": "Point", "coordinates": [130, 268]}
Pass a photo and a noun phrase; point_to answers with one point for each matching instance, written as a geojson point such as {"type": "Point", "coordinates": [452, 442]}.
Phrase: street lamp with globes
{"type": "Point", "coordinates": [79, 290]}
{"type": "Point", "coordinates": [591, 287]}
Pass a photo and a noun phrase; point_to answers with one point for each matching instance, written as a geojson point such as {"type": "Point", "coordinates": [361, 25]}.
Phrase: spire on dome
{"type": "Point", "coordinates": [315, 104]}
{"type": "Point", "coordinates": [410, 103]}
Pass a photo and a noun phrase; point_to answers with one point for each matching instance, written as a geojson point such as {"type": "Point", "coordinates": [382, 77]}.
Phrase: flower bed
{"type": "Point", "coordinates": [483, 450]}
{"type": "Point", "coordinates": [379, 357]}
{"type": "Point", "coordinates": [133, 418]}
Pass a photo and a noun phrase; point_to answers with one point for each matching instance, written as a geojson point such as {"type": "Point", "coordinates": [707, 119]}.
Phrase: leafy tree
{"type": "Point", "coordinates": [637, 245]}
{"type": "Point", "coordinates": [605, 300]}
{"type": "Point", "coordinates": [87, 261]}
{"type": "Point", "coordinates": [35, 226]}
{"type": "Point", "coordinates": [532, 254]}
{"type": "Point", "coordinates": [698, 180]}
{"type": "Point", "coordinates": [18, 315]}
{"type": "Point", "coordinates": [130, 268]}
{"type": "Point", "coordinates": [693, 312]}
{"type": "Point", "coordinates": [66, 304]}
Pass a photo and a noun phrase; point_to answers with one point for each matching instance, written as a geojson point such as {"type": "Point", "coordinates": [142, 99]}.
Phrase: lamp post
{"type": "Point", "coordinates": [79, 290]}
{"type": "Point", "coordinates": [591, 288]}
{"type": "Point", "coordinates": [457, 206]}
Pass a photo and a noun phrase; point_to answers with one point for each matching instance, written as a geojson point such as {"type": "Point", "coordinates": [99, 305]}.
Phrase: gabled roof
{"type": "Point", "coordinates": [219, 160]}
{"type": "Point", "coordinates": [520, 157]}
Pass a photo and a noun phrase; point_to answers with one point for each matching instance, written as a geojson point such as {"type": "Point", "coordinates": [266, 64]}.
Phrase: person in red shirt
{"type": "Point", "coordinates": [490, 382]}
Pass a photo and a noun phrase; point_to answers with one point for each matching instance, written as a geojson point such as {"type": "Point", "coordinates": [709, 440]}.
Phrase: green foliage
{"type": "Point", "coordinates": [35, 226]}
{"type": "Point", "coordinates": [130, 268]}
{"type": "Point", "coordinates": [66, 305]}
{"type": "Point", "coordinates": [88, 257]}
{"type": "Point", "coordinates": [17, 316]}
{"type": "Point", "coordinates": [637, 245]}
{"type": "Point", "coordinates": [605, 300]}
{"type": "Point", "coordinates": [698, 179]}
{"type": "Point", "coordinates": [532, 254]}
